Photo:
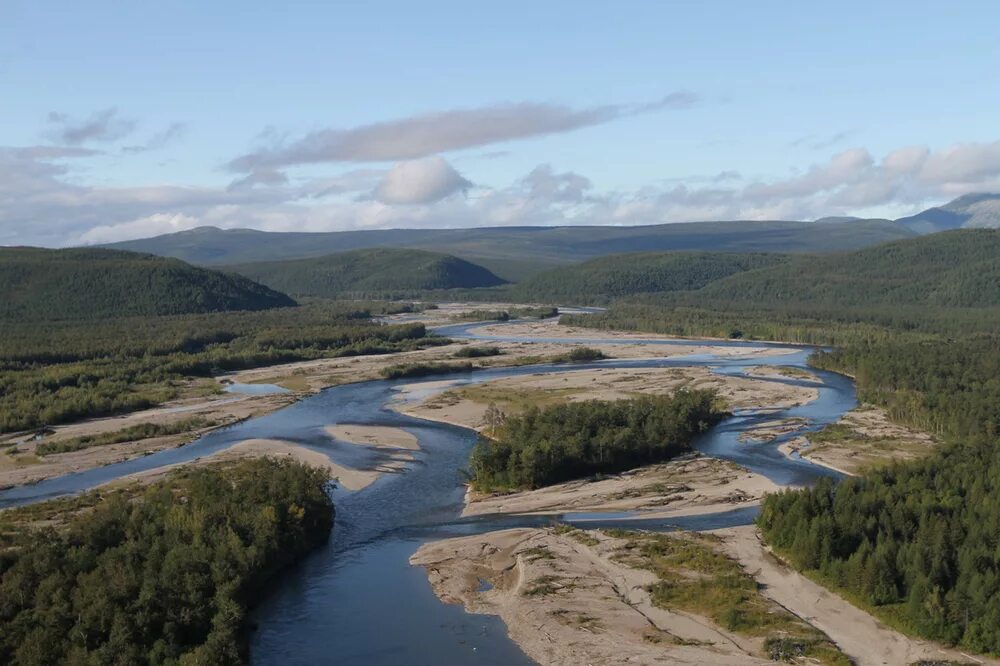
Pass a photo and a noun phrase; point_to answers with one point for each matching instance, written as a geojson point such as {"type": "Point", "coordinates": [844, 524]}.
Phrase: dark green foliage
{"type": "Point", "coordinates": [483, 315]}
{"type": "Point", "coordinates": [955, 269]}
{"type": "Point", "coordinates": [38, 284]}
{"type": "Point", "coordinates": [580, 355]}
{"type": "Point", "coordinates": [402, 370]}
{"type": "Point", "coordinates": [69, 370]}
{"type": "Point", "coordinates": [165, 577]}
{"type": "Point", "coordinates": [477, 352]}
{"type": "Point", "coordinates": [600, 280]}
{"type": "Point", "coordinates": [543, 312]}
{"type": "Point", "coordinates": [569, 441]}
{"type": "Point", "coordinates": [374, 273]}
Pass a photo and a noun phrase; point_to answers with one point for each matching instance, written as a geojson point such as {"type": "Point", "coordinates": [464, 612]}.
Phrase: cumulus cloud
{"type": "Point", "coordinates": [427, 134]}
{"type": "Point", "coordinates": [102, 127]}
{"type": "Point", "coordinates": [419, 182]}
{"type": "Point", "coordinates": [40, 203]}
{"type": "Point", "coordinates": [151, 225]}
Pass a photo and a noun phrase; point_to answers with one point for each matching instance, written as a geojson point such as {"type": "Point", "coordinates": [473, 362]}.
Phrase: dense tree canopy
{"type": "Point", "coordinates": [38, 284]}
{"type": "Point", "coordinates": [160, 576]}
{"type": "Point", "coordinates": [382, 272]}
{"type": "Point", "coordinates": [568, 441]}
{"type": "Point", "coordinates": [68, 370]}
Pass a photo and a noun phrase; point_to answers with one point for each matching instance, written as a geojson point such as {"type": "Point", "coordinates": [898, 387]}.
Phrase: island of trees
{"type": "Point", "coordinates": [541, 447]}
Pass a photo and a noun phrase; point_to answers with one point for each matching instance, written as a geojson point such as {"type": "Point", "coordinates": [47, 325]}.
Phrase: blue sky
{"type": "Point", "coordinates": [129, 119]}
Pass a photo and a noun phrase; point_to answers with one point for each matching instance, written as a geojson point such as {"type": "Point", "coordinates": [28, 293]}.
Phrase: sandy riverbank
{"type": "Point", "coordinates": [691, 484]}
{"type": "Point", "coordinates": [571, 597]}
{"type": "Point", "coordinates": [466, 406]}
{"type": "Point", "coordinates": [25, 466]}
{"type": "Point", "coordinates": [865, 639]}
{"type": "Point", "coordinates": [395, 450]}
{"type": "Point", "coordinates": [568, 599]}
{"type": "Point", "coordinates": [863, 438]}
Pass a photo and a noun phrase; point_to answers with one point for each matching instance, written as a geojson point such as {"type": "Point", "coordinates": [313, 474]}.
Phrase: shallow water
{"type": "Point", "coordinates": [357, 600]}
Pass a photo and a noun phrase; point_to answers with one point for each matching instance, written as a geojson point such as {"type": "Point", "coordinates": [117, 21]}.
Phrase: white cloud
{"type": "Point", "coordinates": [420, 181]}
{"type": "Point", "coordinates": [41, 204]}
{"type": "Point", "coordinates": [151, 225]}
{"type": "Point", "coordinates": [428, 134]}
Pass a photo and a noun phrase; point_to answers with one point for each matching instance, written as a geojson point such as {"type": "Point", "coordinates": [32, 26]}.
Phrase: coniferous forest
{"type": "Point", "coordinates": [161, 575]}
{"type": "Point", "coordinates": [71, 370]}
{"type": "Point", "coordinates": [568, 441]}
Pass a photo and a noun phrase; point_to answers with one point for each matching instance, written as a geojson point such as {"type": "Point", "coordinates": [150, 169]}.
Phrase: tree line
{"type": "Point", "coordinates": [72, 370]}
{"type": "Point", "coordinates": [543, 446]}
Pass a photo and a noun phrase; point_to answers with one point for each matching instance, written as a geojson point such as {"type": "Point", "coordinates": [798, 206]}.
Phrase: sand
{"type": "Point", "coordinates": [221, 409]}
{"type": "Point", "coordinates": [377, 436]}
{"type": "Point", "coordinates": [466, 406]}
{"type": "Point", "coordinates": [596, 610]}
{"type": "Point", "coordinates": [691, 484]}
{"type": "Point", "coordinates": [856, 632]}
{"type": "Point", "coordinates": [599, 613]}
{"type": "Point", "coordinates": [872, 440]}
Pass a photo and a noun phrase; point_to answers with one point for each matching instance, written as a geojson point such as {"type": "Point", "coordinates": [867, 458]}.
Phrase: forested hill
{"type": "Point", "coordinates": [601, 280]}
{"type": "Point", "coordinates": [513, 253]}
{"type": "Point", "coordinates": [364, 273]}
{"type": "Point", "coordinates": [950, 269]}
{"type": "Point", "coordinates": [39, 284]}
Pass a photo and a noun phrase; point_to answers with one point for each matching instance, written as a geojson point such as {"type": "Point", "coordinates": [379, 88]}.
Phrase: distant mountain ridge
{"type": "Point", "coordinates": [513, 253]}
{"type": "Point", "coordinates": [38, 284]}
{"type": "Point", "coordinates": [369, 273]}
{"type": "Point", "coordinates": [971, 211]}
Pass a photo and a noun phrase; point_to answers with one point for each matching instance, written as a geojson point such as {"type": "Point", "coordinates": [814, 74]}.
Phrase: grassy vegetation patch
{"type": "Point", "coordinates": [130, 434]}
{"type": "Point", "coordinates": [477, 352]}
{"type": "Point", "coordinates": [695, 577]}
{"type": "Point", "coordinates": [404, 370]}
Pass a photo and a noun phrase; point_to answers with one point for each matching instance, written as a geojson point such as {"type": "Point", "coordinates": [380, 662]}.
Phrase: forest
{"type": "Point", "coordinates": [70, 370]}
{"type": "Point", "coordinates": [163, 574]}
{"type": "Point", "coordinates": [917, 543]}
{"type": "Point", "coordinates": [955, 269]}
{"type": "Point", "coordinates": [604, 279]}
{"type": "Point", "coordinates": [89, 283]}
{"type": "Point", "coordinates": [370, 273]}
{"type": "Point", "coordinates": [543, 446]}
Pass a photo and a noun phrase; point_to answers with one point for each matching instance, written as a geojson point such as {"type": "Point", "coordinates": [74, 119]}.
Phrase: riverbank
{"type": "Point", "coordinates": [689, 485]}
{"type": "Point", "coordinates": [448, 402]}
{"type": "Point", "coordinates": [571, 596]}
{"type": "Point", "coordinates": [861, 439]}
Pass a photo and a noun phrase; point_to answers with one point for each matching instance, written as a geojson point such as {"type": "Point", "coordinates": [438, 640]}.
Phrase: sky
{"type": "Point", "coordinates": [123, 120]}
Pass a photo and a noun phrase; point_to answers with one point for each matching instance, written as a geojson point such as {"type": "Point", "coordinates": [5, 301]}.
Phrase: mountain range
{"type": "Point", "coordinates": [513, 253]}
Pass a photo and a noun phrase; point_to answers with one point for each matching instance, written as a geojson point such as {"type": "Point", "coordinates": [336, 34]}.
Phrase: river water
{"type": "Point", "coordinates": [357, 600]}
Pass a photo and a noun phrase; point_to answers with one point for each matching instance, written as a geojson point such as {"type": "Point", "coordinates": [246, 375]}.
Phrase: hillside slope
{"type": "Point", "coordinates": [370, 273]}
{"type": "Point", "coordinates": [38, 284]}
{"type": "Point", "coordinates": [605, 278]}
{"type": "Point", "coordinates": [949, 269]}
{"type": "Point", "coordinates": [969, 211]}
{"type": "Point", "coordinates": [516, 252]}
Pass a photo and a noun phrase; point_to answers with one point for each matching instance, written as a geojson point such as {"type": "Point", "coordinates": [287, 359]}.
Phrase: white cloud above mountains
{"type": "Point", "coordinates": [405, 181]}
{"type": "Point", "coordinates": [428, 134]}
{"type": "Point", "coordinates": [420, 182]}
